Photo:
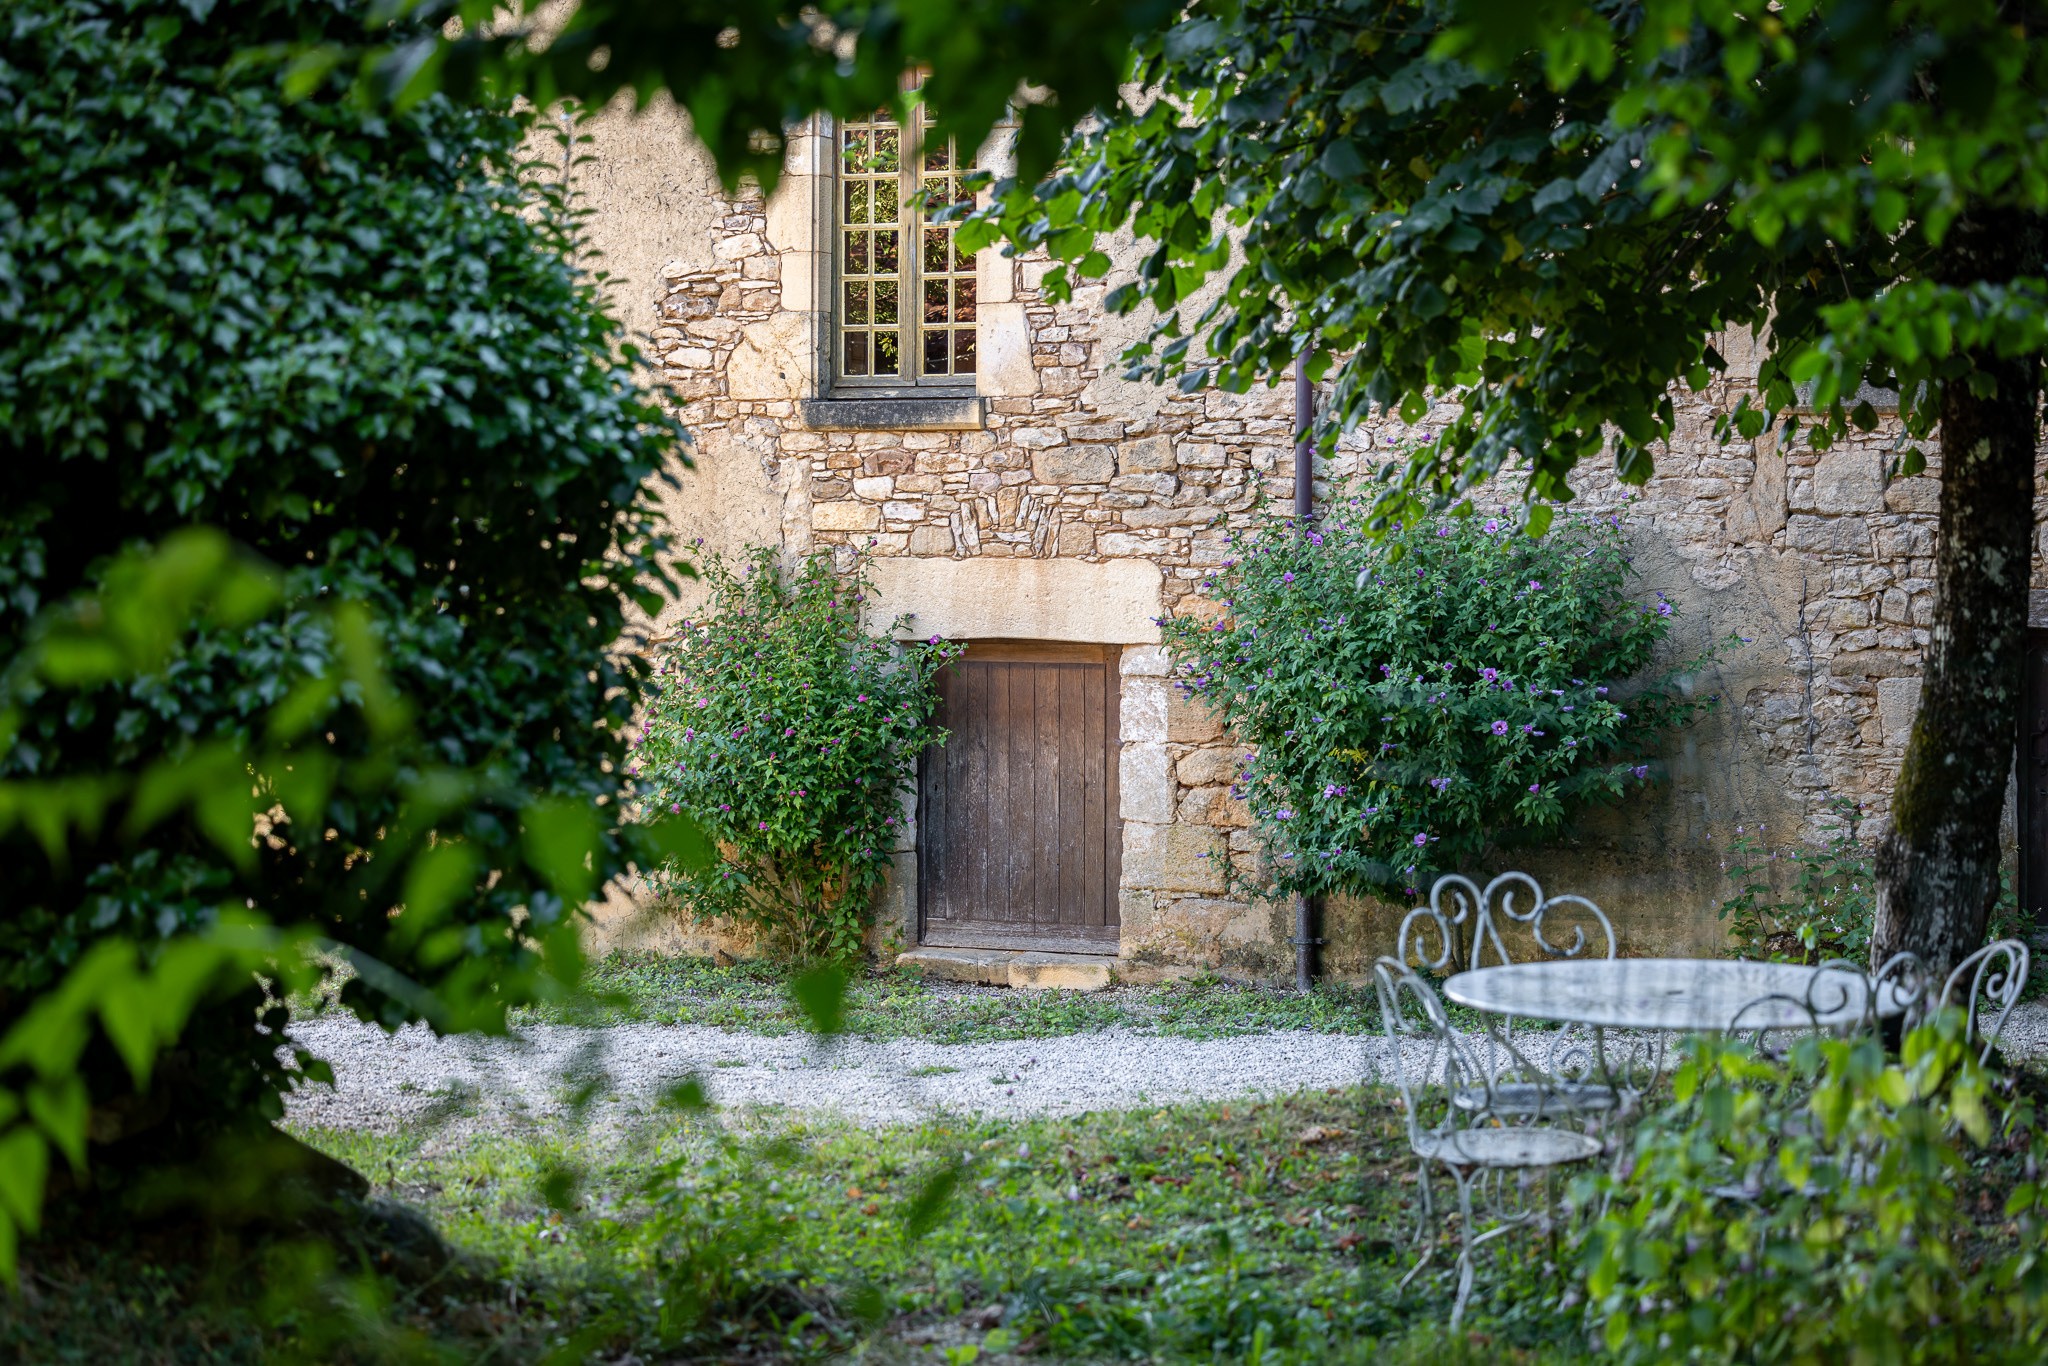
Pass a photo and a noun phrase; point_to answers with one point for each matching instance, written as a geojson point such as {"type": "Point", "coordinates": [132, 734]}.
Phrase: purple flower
{"type": "Point", "coordinates": [764, 825]}
{"type": "Point", "coordinates": [1421, 840]}
{"type": "Point", "coordinates": [1439, 783]}
{"type": "Point", "coordinates": [861, 698]}
{"type": "Point", "coordinates": [1643, 771]}
{"type": "Point", "coordinates": [933, 641]}
{"type": "Point", "coordinates": [1663, 609]}
{"type": "Point", "coordinates": [1535, 585]}
{"type": "Point", "coordinates": [1489, 674]}
{"type": "Point", "coordinates": [1491, 526]}
{"type": "Point", "coordinates": [1288, 577]}
{"type": "Point", "coordinates": [1500, 728]}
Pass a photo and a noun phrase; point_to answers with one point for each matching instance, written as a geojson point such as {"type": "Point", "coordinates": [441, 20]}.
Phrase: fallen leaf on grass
{"type": "Point", "coordinates": [1320, 1133]}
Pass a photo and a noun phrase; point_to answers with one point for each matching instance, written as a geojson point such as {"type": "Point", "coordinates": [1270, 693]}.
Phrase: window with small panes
{"type": "Point", "coordinates": [905, 292]}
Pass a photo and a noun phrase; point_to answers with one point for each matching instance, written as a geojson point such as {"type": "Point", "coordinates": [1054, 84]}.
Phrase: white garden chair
{"type": "Point", "coordinates": [1452, 1123]}
{"type": "Point", "coordinates": [1988, 983]}
{"type": "Point", "coordinates": [1465, 924]}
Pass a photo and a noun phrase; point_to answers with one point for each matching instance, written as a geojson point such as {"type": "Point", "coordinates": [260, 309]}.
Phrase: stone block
{"type": "Point", "coordinates": [1002, 339]}
{"type": "Point", "coordinates": [1173, 858]}
{"type": "Point", "coordinates": [1150, 661]}
{"type": "Point", "coordinates": [1061, 972]}
{"type": "Point", "coordinates": [1898, 701]}
{"type": "Point", "coordinates": [1157, 485]}
{"type": "Point", "coordinates": [1152, 455]}
{"type": "Point", "coordinates": [931, 540]}
{"type": "Point", "coordinates": [846, 517]}
{"type": "Point", "coordinates": [1142, 710]}
{"type": "Point", "coordinates": [1073, 464]}
{"type": "Point", "coordinates": [1158, 516]}
{"type": "Point", "coordinates": [1848, 481]}
{"type": "Point", "coordinates": [771, 361]}
{"type": "Point", "coordinates": [1038, 438]}
{"type": "Point", "coordinates": [876, 489]}
{"type": "Point", "coordinates": [1214, 806]}
{"type": "Point", "coordinates": [990, 967]}
{"type": "Point", "coordinates": [1191, 721]}
{"type": "Point", "coordinates": [1075, 538]}
{"type": "Point", "coordinates": [1913, 495]}
{"type": "Point", "coordinates": [1111, 603]}
{"type": "Point", "coordinates": [1145, 784]}
{"type": "Point", "coordinates": [1828, 535]}
{"type": "Point", "coordinates": [1209, 767]}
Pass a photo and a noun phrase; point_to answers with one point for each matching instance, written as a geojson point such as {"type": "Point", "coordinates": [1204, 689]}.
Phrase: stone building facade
{"type": "Point", "coordinates": [1057, 502]}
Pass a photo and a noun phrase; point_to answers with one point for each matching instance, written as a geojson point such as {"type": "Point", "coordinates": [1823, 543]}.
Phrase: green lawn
{"type": "Point", "coordinates": [1265, 1231]}
{"type": "Point", "coordinates": [891, 1004]}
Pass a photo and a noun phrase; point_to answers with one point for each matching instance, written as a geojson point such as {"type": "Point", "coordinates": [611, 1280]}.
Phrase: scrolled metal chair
{"type": "Point", "coordinates": [1477, 1144]}
{"type": "Point", "coordinates": [1990, 981]}
{"type": "Point", "coordinates": [1592, 934]}
{"type": "Point", "coordinates": [1466, 927]}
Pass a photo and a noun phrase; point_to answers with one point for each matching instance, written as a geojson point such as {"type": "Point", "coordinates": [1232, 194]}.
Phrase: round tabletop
{"type": "Point", "coordinates": [1671, 993]}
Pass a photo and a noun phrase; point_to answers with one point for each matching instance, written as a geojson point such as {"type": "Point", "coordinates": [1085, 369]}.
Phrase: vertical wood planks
{"type": "Point", "coordinates": [1018, 829]}
{"type": "Point", "coordinates": [2033, 782]}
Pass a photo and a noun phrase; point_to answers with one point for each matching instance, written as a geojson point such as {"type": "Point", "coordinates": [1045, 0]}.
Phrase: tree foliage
{"type": "Point", "coordinates": [1552, 217]}
{"type": "Point", "coordinates": [1421, 700]}
{"type": "Point", "coordinates": [789, 734]}
{"type": "Point", "coordinates": [748, 72]}
{"type": "Point", "coordinates": [352, 340]}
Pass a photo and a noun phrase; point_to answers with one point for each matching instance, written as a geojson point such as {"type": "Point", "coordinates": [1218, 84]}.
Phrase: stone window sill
{"type": "Point", "coordinates": [958, 414]}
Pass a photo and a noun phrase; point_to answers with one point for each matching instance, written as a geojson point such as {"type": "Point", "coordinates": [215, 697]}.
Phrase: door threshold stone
{"type": "Point", "coordinates": [1014, 968]}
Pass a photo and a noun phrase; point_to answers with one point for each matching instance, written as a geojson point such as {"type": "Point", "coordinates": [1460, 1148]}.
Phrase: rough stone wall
{"type": "Point", "coordinates": [1821, 565]}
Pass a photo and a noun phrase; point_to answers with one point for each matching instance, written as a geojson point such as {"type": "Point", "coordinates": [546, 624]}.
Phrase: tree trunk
{"type": "Point", "coordinates": [1937, 870]}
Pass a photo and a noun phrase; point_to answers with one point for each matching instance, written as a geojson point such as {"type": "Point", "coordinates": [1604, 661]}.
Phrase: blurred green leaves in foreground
{"type": "Point", "coordinates": [138, 999]}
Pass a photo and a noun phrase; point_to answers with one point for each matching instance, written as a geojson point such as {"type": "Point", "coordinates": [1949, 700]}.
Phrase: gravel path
{"type": "Point", "coordinates": [390, 1082]}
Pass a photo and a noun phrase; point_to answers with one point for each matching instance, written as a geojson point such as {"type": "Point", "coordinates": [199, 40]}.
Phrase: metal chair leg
{"type": "Point", "coordinates": [1465, 1242]}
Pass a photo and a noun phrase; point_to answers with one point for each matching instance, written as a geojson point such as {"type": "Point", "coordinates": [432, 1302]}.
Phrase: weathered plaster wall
{"type": "Point", "coordinates": [1816, 560]}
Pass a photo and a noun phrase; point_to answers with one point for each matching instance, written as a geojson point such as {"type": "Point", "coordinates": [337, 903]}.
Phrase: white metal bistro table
{"type": "Point", "coordinates": [1682, 995]}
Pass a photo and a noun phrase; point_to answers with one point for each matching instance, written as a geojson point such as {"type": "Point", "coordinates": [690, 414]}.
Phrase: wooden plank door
{"type": "Point", "coordinates": [2032, 815]}
{"type": "Point", "coordinates": [1019, 844]}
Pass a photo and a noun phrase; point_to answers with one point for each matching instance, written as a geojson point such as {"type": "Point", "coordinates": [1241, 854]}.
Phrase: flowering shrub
{"type": "Point", "coordinates": [1418, 699]}
{"type": "Point", "coordinates": [788, 733]}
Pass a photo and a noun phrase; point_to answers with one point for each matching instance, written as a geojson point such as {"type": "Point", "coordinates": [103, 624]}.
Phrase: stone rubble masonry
{"type": "Point", "coordinates": [1823, 564]}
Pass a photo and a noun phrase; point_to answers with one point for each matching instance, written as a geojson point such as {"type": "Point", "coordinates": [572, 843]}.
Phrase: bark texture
{"type": "Point", "coordinates": [1937, 870]}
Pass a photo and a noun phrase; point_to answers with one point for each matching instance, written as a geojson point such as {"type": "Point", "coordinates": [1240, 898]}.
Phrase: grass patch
{"type": "Point", "coordinates": [889, 1004]}
{"type": "Point", "coordinates": [1266, 1230]}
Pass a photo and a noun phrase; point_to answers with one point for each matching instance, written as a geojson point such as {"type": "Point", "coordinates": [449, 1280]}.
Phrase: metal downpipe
{"type": "Point", "coordinates": [1306, 917]}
